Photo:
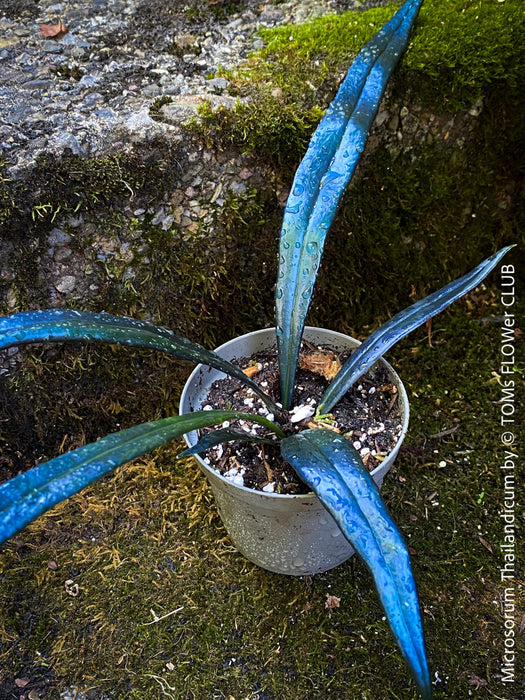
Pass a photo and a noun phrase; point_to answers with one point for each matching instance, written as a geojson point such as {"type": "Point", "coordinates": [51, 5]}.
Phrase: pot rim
{"type": "Point", "coordinates": [300, 496]}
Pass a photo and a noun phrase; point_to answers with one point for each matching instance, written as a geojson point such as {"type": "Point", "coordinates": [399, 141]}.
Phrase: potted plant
{"type": "Point", "coordinates": [281, 532]}
{"type": "Point", "coordinates": [325, 461]}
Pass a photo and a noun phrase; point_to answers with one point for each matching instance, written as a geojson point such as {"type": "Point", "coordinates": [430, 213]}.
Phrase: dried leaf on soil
{"type": "Point", "coordinates": [321, 362]}
{"type": "Point", "coordinates": [53, 31]}
{"type": "Point", "coordinates": [486, 544]}
{"type": "Point", "coordinates": [477, 682]}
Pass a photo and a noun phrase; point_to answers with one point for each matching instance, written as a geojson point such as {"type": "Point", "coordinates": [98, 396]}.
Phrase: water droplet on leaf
{"type": "Point", "coordinates": [311, 248]}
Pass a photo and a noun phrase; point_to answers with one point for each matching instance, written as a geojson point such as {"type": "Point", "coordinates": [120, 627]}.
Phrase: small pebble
{"type": "Point", "coordinates": [300, 413]}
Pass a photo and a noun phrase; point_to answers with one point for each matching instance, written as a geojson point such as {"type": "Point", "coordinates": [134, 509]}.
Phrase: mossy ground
{"type": "Point", "coordinates": [79, 184]}
{"type": "Point", "coordinates": [147, 539]}
{"type": "Point", "coordinates": [146, 542]}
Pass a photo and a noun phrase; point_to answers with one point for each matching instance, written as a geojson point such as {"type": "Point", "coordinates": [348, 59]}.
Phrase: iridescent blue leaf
{"type": "Point", "coordinates": [400, 325]}
{"type": "Point", "coordinates": [331, 467]}
{"type": "Point", "coordinates": [28, 495]}
{"type": "Point", "coordinates": [217, 437]}
{"type": "Point", "coordinates": [67, 325]}
{"type": "Point", "coordinates": [321, 179]}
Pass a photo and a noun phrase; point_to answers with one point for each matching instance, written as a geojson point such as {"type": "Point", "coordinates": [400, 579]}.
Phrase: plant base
{"type": "Point", "coordinates": [286, 534]}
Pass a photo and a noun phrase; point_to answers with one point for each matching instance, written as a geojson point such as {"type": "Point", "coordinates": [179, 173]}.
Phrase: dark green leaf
{"type": "Point", "coordinates": [400, 325]}
{"type": "Point", "coordinates": [30, 494]}
{"type": "Point", "coordinates": [57, 325]}
{"type": "Point", "coordinates": [330, 466]}
{"type": "Point", "coordinates": [321, 179]}
{"type": "Point", "coordinates": [217, 437]}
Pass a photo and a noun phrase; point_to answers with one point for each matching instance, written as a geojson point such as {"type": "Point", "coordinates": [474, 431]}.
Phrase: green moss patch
{"type": "Point", "coordinates": [78, 185]}
{"type": "Point", "coordinates": [466, 47]}
{"type": "Point", "coordinates": [274, 129]}
{"type": "Point", "coordinates": [460, 48]}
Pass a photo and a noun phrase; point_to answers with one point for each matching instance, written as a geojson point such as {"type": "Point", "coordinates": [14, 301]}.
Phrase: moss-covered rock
{"type": "Point", "coordinates": [440, 184]}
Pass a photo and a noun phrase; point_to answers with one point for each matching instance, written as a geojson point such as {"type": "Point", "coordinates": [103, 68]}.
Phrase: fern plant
{"type": "Point", "coordinates": [325, 461]}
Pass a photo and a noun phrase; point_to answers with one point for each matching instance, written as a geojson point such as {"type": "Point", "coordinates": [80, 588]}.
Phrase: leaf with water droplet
{"type": "Point", "coordinates": [400, 325]}
{"type": "Point", "coordinates": [59, 325]}
{"type": "Point", "coordinates": [327, 168]}
{"type": "Point", "coordinates": [335, 472]}
{"type": "Point", "coordinates": [32, 493]}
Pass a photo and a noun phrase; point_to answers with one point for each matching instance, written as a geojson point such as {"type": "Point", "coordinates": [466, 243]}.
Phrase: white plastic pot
{"type": "Point", "coordinates": [287, 534]}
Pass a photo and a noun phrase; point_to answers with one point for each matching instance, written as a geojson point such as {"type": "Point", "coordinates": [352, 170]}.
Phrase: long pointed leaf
{"type": "Point", "coordinates": [321, 179]}
{"type": "Point", "coordinates": [217, 437]}
{"type": "Point", "coordinates": [28, 495]}
{"type": "Point", "coordinates": [57, 325]}
{"type": "Point", "coordinates": [332, 468]}
{"type": "Point", "coordinates": [400, 325]}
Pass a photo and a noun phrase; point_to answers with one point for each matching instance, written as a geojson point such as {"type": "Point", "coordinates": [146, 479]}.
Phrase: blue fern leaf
{"type": "Point", "coordinates": [30, 494]}
{"type": "Point", "coordinates": [321, 179]}
{"type": "Point", "coordinates": [332, 468]}
{"type": "Point", "coordinates": [400, 325]}
{"type": "Point", "coordinates": [217, 437]}
{"type": "Point", "coordinates": [57, 325]}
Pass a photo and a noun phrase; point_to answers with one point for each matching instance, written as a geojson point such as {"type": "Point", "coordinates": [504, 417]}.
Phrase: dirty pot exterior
{"type": "Point", "coordinates": [285, 534]}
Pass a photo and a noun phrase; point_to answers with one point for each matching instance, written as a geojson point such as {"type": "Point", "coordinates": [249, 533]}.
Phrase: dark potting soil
{"type": "Point", "coordinates": [368, 415]}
